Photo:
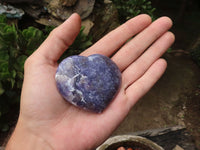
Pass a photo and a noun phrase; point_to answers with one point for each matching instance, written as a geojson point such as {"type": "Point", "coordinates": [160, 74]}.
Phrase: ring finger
{"type": "Point", "coordinates": [141, 65]}
{"type": "Point", "coordinates": [135, 47]}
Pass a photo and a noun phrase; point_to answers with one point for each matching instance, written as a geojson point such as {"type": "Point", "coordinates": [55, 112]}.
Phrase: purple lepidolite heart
{"type": "Point", "coordinates": [88, 82]}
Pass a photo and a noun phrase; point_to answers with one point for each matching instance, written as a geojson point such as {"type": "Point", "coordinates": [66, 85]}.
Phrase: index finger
{"type": "Point", "coordinates": [116, 38]}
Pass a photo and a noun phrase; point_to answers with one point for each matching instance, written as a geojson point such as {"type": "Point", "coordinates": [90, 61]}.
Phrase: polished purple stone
{"type": "Point", "coordinates": [88, 82]}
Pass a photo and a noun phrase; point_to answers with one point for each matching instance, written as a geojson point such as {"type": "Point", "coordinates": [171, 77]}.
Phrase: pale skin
{"type": "Point", "coordinates": [47, 121]}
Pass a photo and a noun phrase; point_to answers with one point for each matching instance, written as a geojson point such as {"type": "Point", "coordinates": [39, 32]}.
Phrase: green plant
{"type": "Point", "coordinates": [131, 8]}
{"type": "Point", "coordinates": [15, 47]}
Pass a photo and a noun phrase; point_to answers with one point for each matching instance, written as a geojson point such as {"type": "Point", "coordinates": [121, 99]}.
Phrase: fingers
{"type": "Point", "coordinates": [141, 65]}
{"type": "Point", "coordinates": [135, 91]}
{"type": "Point", "coordinates": [60, 38]}
{"type": "Point", "coordinates": [125, 100]}
{"type": "Point", "coordinates": [134, 48]}
{"type": "Point", "coordinates": [115, 39]}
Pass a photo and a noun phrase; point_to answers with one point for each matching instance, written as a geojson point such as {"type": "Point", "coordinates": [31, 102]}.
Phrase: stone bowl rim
{"type": "Point", "coordinates": [134, 138]}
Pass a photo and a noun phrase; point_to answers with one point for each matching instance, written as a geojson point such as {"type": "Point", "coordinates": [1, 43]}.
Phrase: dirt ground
{"type": "Point", "coordinates": [192, 115]}
{"type": "Point", "coordinates": [174, 100]}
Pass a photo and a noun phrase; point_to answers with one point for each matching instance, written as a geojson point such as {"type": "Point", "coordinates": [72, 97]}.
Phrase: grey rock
{"type": "Point", "coordinates": [50, 21]}
{"type": "Point", "coordinates": [21, 1]}
{"type": "Point", "coordinates": [82, 7]}
{"type": "Point", "coordinates": [178, 148]}
{"type": "Point", "coordinates": [105, 20]}
{"type": "Point", "coordinates": [58, 11]}
{"type": "Point", "coordinates": [10, 11]}
{"type": "Point", "coordinates": [35, 11]}
{"type": "Point", "coordinates": [68, 2]}
{"type": "Point", "coordinates": [88, 24]}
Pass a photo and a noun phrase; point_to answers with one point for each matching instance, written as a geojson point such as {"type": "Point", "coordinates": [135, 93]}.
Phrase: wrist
{"type": "Point", "coordinates": [23, 138]}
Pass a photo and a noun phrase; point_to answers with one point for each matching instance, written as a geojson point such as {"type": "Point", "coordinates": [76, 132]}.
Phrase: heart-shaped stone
{"type": "Point", "coordinates": [88, 82]}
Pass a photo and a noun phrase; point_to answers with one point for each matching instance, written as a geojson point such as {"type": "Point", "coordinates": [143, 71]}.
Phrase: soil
{"type": "Point", "coordinates": [192, 119]}
{"type": "Point", "coordinates": [173, 101]}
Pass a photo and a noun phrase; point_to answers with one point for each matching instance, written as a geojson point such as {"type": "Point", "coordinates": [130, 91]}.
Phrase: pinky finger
{"type": "Point", "coordinates": [140, 87]}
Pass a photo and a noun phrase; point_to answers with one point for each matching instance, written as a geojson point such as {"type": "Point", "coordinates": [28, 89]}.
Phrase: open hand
{"type": "Point", "coordinates": [58, 125]}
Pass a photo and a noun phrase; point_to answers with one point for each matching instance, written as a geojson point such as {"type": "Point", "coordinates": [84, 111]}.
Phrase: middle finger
{"type": "Point", "coordinates": [135, 47]}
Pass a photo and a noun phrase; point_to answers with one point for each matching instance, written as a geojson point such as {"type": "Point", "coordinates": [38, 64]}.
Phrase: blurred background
{"type": "Point", "coordinates": [173, 102]}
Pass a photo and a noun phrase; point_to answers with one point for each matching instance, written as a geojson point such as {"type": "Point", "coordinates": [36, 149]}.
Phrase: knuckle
{"type": "Point", "coordinates": [57, 35]}
{"type": "Point", "coordinates": [54, 31]}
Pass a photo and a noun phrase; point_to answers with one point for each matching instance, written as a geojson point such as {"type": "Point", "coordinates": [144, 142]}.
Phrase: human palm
{"type": "Point", "coordinates": [46, 114]}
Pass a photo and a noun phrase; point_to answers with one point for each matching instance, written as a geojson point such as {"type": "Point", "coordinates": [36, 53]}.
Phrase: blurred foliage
{"type": "Point", "coordinates": [131, 8]}
{"type": "Point", "coordinates": [15, 47]}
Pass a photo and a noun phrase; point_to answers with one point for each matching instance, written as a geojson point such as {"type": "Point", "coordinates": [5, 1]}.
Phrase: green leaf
{"type": "Point", "coordinates": [13, 53]}
{"type": "Point", "coordinates": [20, 75]}
{"type": "Point", "coordinates": [19, 83]}
{"type": "Point", "coordinates": [9, 34]}
{"type": "Point", "coordinates": [4, 71]}
{"type": "Point", "coordinates": [3, 55]}
{"type": "Point", "coordinates": [3, 19]}
{"type": "Point", "coordinates": [4, 75]}
{"type": "Point", "coordinates": [144, 6]}
{"type": "Point", "coordinates": [48, 29]}
{"type": "Point", "coordinates": [12, 82]}
{"type": "Point", "coordinates": [34, 38]}
{"type": "Point", "coordinates": [169, 50]}
{"type": "Point", "coordinates": [13, 73]}
{"type": "Point", "coordinates": [84, 45]}
{"type": "Point", "coordinates": [28, 33]}
{"type": "Point", "coordinates": [130, 8]}
{"type": "Point", "coordinates": [19, 65]}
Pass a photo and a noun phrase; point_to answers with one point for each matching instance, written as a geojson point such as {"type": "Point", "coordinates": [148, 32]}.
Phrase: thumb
{"type": "Point", "coordinates": [60, 38]}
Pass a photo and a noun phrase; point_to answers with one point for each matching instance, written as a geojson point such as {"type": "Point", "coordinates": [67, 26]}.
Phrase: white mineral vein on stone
{"type": "Point", "coordinates": [82, 78]}
{"type": "Point", "coordinates": [92, 58]}
{"type": "Point", "coordinates": [69, 82]}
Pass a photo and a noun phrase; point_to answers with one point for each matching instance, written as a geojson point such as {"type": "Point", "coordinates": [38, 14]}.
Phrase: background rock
{"type": "Point", "coordinates": [105, 20]}
{"type": "Point", "coordinates": [10, 11]}
{"type": "Point", "coordinates": [82, 7]}
{"type": "Point", "coordinates": [68, 2]}
{"type": "Point", "coordinates": [21, 1]}
{"type": "Point", "coordinates": [88, 24]}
